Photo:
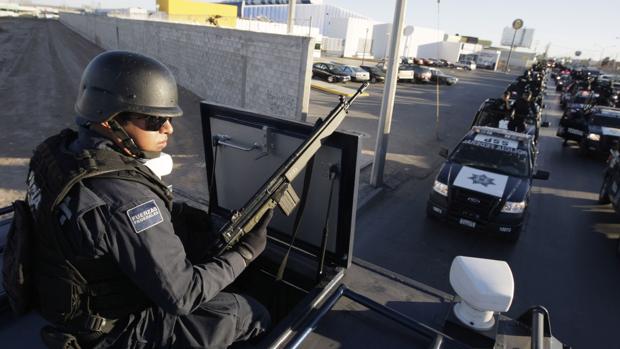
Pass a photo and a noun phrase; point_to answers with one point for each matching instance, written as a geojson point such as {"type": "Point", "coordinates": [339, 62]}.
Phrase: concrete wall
{"type": "Point", "coordinates": [261, 72]}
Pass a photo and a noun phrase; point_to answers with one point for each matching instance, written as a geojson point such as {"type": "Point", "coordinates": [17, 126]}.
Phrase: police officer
{"type": "Point", "coordinates": [118, 263]}
{"type": "Point", "coordinates": [522, 108]}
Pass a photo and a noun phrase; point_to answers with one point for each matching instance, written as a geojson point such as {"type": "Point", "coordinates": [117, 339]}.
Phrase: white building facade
{"type": "Point", "coordinates": [343, 32]}
{"type": "Point", "coordinates": [419, 37]}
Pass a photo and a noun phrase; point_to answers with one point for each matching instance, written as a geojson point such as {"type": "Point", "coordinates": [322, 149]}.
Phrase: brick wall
{"type": "Point", "coordinates": [261, 72]}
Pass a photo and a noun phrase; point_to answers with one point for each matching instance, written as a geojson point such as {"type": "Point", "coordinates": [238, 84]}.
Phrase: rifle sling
{"type": "Point", "coordinates": [302, 205]}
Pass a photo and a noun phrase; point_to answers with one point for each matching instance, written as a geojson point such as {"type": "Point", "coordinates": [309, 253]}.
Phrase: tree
{"type": "Point", "coordinates": [605, 62]}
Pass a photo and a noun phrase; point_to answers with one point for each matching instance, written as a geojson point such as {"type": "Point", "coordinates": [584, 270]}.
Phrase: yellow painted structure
{"type": "Point", "coordinates": [200, 12]}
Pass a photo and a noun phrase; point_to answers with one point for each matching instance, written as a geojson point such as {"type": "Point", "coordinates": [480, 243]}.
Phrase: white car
{"type": "Point", "coordinates": [404, 73]}
{"type": "Point", "coordinates": [356, 73]}
{"type": "Point", "coordinates": [468, 65]}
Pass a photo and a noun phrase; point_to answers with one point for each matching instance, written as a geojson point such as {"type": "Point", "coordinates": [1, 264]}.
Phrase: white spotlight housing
{"type": "Point", "coordinates": [485, 286]}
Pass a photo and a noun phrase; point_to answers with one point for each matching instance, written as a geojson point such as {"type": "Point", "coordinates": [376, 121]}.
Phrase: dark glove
{"type": "Point", "coordinates": [253, 243]}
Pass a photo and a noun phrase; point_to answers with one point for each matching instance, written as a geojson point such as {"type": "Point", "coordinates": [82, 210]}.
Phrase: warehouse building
{"type": "Point", "coordinates": [343, 32]}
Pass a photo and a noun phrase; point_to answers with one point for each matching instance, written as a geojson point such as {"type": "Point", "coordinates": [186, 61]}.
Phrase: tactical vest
{"type": "Point", "coordinates": [76, 293]}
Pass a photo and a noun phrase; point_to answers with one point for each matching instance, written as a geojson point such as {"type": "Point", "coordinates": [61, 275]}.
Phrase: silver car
{"type": "Point", "coordinates": [356, 73]}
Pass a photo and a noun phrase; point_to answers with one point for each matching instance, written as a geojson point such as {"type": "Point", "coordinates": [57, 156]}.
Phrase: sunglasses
{"type": "Point", "coordinates": [152, 123]}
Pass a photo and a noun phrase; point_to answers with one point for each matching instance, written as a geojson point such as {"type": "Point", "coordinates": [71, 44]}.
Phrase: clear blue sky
{"type": "Point", "coordinates": [591, 26]}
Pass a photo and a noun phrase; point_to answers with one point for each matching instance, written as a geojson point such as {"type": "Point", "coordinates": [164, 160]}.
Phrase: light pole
{"type": "Point", "coordinates": [516, 25]}
{"type": "Point", "coordinates": [291, 16]}
{"type": "Point", "coordinates": [389, 92]}
{"type": "Point", "coordinates": [365, 41]}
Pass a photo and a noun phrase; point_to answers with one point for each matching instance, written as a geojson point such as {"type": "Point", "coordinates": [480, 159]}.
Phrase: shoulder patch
{"type": "Point", "coordinates": [144, 216]}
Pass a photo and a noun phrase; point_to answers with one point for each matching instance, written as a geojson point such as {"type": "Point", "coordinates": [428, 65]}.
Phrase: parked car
{"type": "Point", "coordinates": [432, 62]}
{"type": "Point", "coordinates": [421, 74]}
{"type": "Point", "coordinates": [329, 72]}
{"type": "Point", "coordinates": [442, 78]}
{"type": "Point", "coordinates": [406, 73]}
{"type": "Point", "coordinates": [407, 60]}
{"type": "Point", "coordinates": [376, 73]}
{"type": "Point", "coordinates": [466, 65]}
{"type": "Point", "coordinates": [445, 63]}
{"type": "Point", "coordinates": [355, 73]}
{"type": "Point", "coordinates": [485, 182]}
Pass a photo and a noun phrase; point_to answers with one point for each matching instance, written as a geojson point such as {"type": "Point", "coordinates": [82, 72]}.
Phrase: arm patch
{"type": "Point", "coordinates": [144, 216]}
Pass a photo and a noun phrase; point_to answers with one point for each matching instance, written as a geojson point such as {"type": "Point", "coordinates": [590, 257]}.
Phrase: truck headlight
{"type": "Point", "coordinates": [594, 137]}
{"type": "Point", "coordinates": [514, 207]}
{"type": "Point", "coordinates": [440, 188]}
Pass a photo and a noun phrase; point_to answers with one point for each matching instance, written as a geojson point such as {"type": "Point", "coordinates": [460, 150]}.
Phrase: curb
{"type": "Point", "coordinates": [338, 92]}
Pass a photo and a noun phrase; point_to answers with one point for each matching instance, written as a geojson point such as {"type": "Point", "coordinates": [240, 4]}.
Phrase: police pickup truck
{"type": "Point", "coordinates": [486, 181]}
{"type": "Point", "coordinates": [595, 129]}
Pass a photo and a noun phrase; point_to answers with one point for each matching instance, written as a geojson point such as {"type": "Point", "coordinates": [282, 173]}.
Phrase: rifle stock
{"type": "Point", "coordinates": [278, 191]}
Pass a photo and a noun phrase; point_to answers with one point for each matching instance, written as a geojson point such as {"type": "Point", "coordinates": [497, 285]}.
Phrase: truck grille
{"type": "Point", "coordinates": [472, 205]}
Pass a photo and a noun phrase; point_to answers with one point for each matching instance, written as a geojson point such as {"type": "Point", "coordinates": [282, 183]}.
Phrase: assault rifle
{"type": "Point", "coordinates": [278, 191]}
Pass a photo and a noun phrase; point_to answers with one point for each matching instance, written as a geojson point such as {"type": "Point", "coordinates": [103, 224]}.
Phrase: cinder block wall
{"type": "Point", "coordinates": [261, 72]}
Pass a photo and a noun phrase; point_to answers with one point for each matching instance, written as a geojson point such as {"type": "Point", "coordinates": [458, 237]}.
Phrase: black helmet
{"type": "Point", "coordinates": [119, 81]}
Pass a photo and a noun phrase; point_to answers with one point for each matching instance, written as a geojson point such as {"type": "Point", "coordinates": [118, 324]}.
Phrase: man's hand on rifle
{"type": "Point", "coordinates": [254, 242]}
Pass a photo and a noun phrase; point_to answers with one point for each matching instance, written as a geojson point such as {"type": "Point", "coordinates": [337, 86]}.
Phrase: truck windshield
{"type": "Point", "coordinates": [493, 156]}
{"type": "Point", "coordinates": [606, 121]}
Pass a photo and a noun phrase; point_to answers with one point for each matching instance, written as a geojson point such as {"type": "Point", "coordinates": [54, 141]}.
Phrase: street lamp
{"type": "Point", "coordinates": [516, 25]}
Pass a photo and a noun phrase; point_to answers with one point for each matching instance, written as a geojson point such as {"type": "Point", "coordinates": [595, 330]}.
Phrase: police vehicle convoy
{"type": "Point", "coordinates": [485, 182]}
{"type": "Point", "coordinates": [595, 129]}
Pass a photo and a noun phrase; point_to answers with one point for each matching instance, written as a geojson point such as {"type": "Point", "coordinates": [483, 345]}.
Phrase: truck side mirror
{"type": "Point", "coordinates": [443, 152]}
{"type": "Point", "coordinates": [544, 175]}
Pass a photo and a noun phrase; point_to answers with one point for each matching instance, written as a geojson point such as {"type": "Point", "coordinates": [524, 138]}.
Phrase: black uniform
{"type": "Point", "coordinates": [522, 108]}
{"type": "Point", "coordinates": [176, 299]}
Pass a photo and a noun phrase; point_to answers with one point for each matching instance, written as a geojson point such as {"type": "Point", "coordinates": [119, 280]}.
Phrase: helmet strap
{"type": "Point", "coordinates": [125, 141]}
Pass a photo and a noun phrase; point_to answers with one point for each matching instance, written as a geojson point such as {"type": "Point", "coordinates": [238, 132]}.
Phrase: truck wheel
{"type": "Point", "coordinates": [603, 197]}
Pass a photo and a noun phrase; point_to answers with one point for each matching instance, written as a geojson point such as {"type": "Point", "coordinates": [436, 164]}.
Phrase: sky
{"type": "Point", "coordinates": [591, 27]}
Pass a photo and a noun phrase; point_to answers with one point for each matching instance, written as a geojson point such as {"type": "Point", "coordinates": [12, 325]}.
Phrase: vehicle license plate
{"type": "Point", "coordinates": [575, 132]}
{"type": "Point", "coordinates": [467, 223]}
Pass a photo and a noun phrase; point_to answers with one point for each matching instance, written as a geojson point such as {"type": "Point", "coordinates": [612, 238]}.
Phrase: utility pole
{"type": "Point", "coordinates": [389, 92]}
{"type": "Point", "coordinates": [291, 16]}
{"type": "Point", "coordinates": [364, 53]}
{"type": "Point", "coordinates": [516, 25]}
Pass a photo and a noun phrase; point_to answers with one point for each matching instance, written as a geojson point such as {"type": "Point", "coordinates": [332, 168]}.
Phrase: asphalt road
{"type": "Point", "coordinates": [562, 261]}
